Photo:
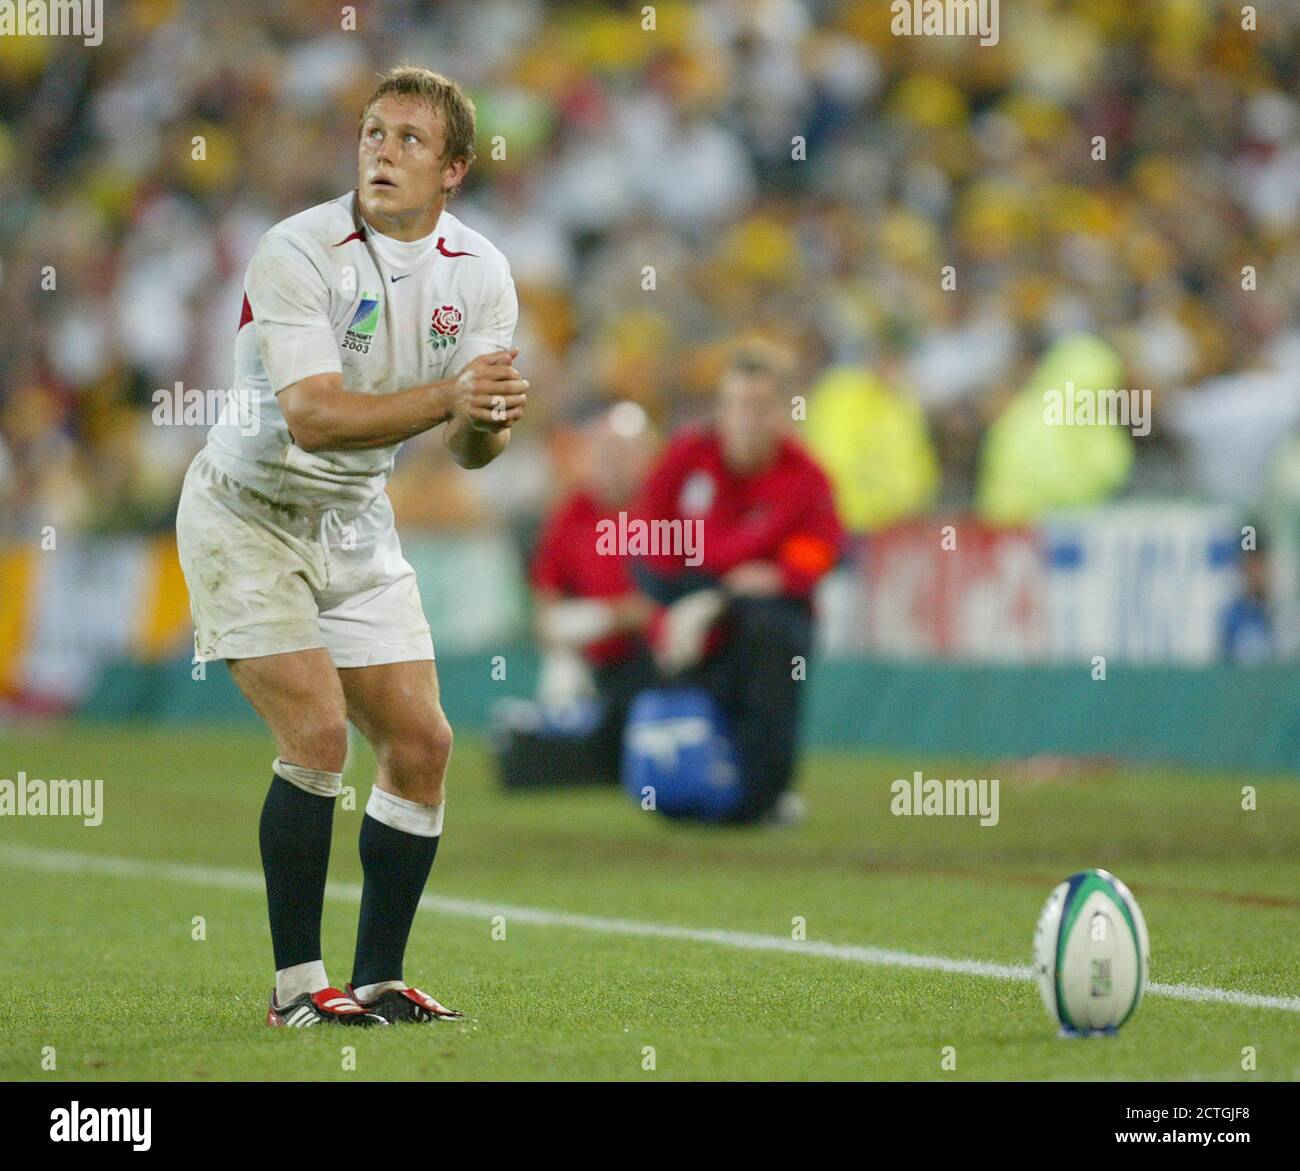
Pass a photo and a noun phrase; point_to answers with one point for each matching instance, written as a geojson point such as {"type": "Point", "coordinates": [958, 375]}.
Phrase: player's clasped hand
{"type": "Point", "coordinates": [490, 392]}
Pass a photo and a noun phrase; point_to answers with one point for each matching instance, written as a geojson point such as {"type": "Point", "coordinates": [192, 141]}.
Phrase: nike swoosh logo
{"type": "Point", "coordinates": [395, 279]}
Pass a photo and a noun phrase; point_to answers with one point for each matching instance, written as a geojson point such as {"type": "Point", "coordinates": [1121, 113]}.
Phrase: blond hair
{"type": "Point", "coordinates": [442, 94]}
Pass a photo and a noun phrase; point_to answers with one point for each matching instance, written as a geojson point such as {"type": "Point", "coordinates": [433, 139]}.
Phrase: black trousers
{"type": "Point", "coordinates": [758, 678]}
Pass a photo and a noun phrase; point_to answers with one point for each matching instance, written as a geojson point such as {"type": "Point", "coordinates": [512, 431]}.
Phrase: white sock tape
{"type": "Point", "coordinates": [310, 780]}
{"type": "Point", "coordinates": [291, 983]}
{"type": "Point", "coordinates": [410, 817]}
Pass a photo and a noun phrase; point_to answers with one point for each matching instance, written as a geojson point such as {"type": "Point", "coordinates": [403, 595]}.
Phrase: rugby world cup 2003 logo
{"type": "Point", "coordinates": [444, 326]}
{"type": "Point", "coordinates": [365, 320]}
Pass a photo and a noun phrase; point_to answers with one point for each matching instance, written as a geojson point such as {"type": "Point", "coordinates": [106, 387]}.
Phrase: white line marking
{"type": "Point", "coordinates": [68, 862]}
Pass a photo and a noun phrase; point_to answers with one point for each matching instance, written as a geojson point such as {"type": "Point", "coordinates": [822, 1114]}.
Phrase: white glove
{"type": "Point", "coordinates": [575, 622]}
{"type": "Point", "coordinates": [564, 679]}
{"type": "Point", "coordinates": [686, 626]}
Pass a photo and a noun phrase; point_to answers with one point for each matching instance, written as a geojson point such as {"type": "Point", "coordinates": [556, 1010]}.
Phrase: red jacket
{"type": "Point", "coordinates": [784, 513]}
{"type": "Point", "coordinates": [567, 562]}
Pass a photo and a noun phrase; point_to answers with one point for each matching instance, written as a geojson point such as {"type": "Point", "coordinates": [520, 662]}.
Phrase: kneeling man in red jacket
{"type": "Point", "coordinates": [757, 530]}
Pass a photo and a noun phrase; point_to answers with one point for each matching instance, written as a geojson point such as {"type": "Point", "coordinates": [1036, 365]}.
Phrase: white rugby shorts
{"type": "Point", "coordinates": [266, 580]}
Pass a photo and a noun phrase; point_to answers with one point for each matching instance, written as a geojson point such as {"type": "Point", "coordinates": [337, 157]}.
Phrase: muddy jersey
{"type": "Point", "coordinates": [323, 295]}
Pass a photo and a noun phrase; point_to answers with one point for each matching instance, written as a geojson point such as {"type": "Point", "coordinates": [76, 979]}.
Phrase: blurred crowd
{"type": "Point", "coordinates": [925, 220]}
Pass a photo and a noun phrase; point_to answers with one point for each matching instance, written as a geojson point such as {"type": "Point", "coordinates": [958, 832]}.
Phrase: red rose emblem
{"type": "Point", "coordinates": [446, 321]}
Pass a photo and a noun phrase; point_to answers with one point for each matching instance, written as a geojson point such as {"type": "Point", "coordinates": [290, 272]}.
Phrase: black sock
{"type": "Point", "coordinates": [396, 865]}
{"type": "Point", "coordinates": [295, 838]}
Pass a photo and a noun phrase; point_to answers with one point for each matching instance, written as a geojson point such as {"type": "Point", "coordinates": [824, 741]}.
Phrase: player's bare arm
{"type": "Point", "coordinates": [485, 398]}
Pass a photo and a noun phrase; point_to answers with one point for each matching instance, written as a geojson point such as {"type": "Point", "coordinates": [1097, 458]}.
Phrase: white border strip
{"type": "Point", "coordinates": [68, 862]}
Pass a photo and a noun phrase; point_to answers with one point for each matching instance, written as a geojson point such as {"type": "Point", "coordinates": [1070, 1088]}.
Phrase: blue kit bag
{"type": "Point", "coordinates": [676, 742]}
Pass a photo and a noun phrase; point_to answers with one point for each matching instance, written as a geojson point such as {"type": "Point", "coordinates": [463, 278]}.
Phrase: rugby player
{"type": "Point", "coordinates": [366, 320]}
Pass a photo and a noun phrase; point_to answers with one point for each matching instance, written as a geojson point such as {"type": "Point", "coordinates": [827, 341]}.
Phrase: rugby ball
{"type": "Point", "coordinates": [1091, 954]}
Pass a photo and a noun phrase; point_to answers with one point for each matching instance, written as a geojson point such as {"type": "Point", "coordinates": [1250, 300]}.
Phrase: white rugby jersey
{"type": "Point", "coordinates": [318, 297]}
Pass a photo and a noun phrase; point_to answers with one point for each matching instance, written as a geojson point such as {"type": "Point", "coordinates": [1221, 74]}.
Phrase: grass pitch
{"type": "Point", "coordinates": [98, 959]}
